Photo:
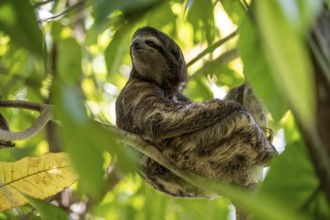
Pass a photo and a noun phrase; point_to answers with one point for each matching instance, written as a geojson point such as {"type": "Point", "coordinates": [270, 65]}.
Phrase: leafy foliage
{"type": "Point", "coordinates": [75, 54]}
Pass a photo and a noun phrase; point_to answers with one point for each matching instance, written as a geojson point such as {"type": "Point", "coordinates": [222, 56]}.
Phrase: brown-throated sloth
{"type": "Point", "coordinates": [218, 139]}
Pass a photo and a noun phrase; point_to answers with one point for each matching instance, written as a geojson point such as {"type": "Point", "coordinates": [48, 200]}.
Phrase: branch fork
{"type": "Point", "coordinates": [45, 116]}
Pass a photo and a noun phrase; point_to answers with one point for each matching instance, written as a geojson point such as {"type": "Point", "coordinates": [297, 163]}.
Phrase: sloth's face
{"type": "Point", "coordinates": [145, 43]}
{"type": "Point", "coordinates": [148, 58]}
{"type": "Point", "coordinates": [157, 58]}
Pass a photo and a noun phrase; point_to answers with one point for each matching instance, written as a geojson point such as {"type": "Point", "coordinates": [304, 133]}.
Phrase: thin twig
{"type": "Point", "coordinates": [63, 13]}
{"type": "Point", "coordinates": [45, 116]}
{"type": "Point", "coordinates": [211, 48]}
{"type": "Point", "coordinates": [221, 60]}
{"type": "Point", "coordinates": [22, 104]}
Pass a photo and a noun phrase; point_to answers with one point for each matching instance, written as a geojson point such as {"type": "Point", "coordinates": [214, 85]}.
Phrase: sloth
{"type": "Point", "coordinates": [216, 139]}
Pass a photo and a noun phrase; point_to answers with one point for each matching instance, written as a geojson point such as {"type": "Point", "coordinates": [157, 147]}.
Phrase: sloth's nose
{"type": "Point", "coordinates": [137, 43]}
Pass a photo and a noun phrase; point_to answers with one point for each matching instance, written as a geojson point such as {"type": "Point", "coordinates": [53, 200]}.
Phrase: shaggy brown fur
{"type": "Point", "coordinates": [218, 139]}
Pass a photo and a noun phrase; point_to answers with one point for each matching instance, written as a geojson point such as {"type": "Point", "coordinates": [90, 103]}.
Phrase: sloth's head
{"type": "Point", "coordinates": [158, 59]}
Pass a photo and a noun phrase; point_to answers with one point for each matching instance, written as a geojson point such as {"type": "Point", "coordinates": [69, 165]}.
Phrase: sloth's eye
{"type": "Point", "coordinates": [151, 43]}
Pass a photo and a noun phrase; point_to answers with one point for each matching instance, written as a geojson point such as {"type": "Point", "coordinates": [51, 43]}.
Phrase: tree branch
{"type": "Point", "coordinates": [212, 188]}
{"type": "Point", "coordinates": [317, 137]}
{"type": "Point", "coordinates": [211, 48]}
{"type": "Point", "coordinates": [4, 126]}
{"type": "Point", "coordinates": [127, 138]}
{"type": "Point", "coordinates": [149, 150]}
{"type": "Point", "coordinates": [45, 116]}
{"type": "Point", "coordinates": [22, 104]}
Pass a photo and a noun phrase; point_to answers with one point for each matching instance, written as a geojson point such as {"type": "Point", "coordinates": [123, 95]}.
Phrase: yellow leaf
{"type": "Point", "coordinates": [38, 177]}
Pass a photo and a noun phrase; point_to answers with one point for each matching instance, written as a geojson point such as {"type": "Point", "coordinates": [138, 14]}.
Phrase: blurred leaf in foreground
{"type": "Point", "coordinates": [86, 142]}
{"type": "Point", "coordinates": [69, 59]}
{"type": "Point", "coordinates": [18, 20]}
{"type": "Point", "coordinates": [46, 210]}
{"type": "Point", "coordinates": [105, 8]}
{"type": "Point", "coordinates": [288, 56]}
{"type": "Point", "coordinates": [81, 145]}
{"type": "Point", "coordinates": [258, 71]}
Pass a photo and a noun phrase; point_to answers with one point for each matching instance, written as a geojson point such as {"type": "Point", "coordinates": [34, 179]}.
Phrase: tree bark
{"type": "Point", "coordinates": [318, 142]}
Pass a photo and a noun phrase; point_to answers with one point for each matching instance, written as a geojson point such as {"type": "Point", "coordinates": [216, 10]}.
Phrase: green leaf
{"type": "Point", "coordinates": [86, 141]}
{"type": "Point", "coordinates": [258, 71]}
{"type": "Point", "coordinates": [295, 180]}
{"type": "Point", "coordinates": [46, 210]}
{"type": "Point", "coordinates": [69, 60]}
{"type": "Point", "coordinates": [117, 49]}
{"type": "Point", "coordinates": [78, 139]}
{"type": "Point", "coordinates": [201, 20]}
{"type": "Point", "coordinates": [156, 18]}
{"type": "Point", "coordinates": [234, 9]}
{"type": "Point", "coordinates": [198, 90]}
{"type": "Point", "coordinates": [18, 20]}
{"type": "Point", "coordinates": [288, 57]}
{"type": "Point", "coordinates": [55, 30]}
{"type": "Point", "coordinates": [301, 14]}
{"type": "Point", "coordinates": [104, 8]}
{"type": "Point", "coordinates": [229, 77]}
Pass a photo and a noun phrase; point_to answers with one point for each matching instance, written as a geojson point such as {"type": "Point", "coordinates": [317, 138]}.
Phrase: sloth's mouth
{"type": "Point", "coordinates": [139, 48]}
